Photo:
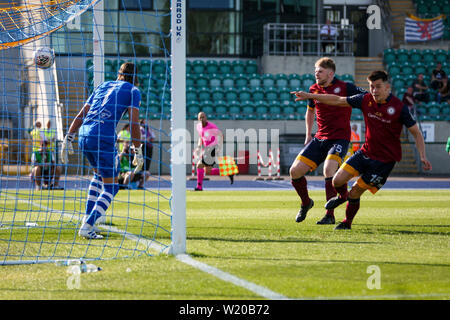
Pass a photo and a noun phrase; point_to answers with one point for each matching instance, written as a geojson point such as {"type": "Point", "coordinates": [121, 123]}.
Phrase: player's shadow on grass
{"type": "Point", "coordinates": [388, 229]}
{"type": "Point", "coordinates": [290, 240]}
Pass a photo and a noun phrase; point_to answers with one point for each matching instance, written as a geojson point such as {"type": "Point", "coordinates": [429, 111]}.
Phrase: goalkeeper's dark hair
{"type": "Point", "coordinates": [378, 74]}
{"type": "Point", "coordinates": [128, 72]}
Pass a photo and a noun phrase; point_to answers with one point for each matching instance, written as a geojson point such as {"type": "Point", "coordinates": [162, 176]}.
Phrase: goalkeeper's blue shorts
{"type": "Point", "coordinates": [102, 156]}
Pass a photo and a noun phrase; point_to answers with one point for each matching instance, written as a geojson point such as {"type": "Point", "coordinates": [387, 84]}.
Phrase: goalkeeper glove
{"type": "Point", "coordinates": [67, 147]}
{"type": "Point", "coordinates": [138, 160]}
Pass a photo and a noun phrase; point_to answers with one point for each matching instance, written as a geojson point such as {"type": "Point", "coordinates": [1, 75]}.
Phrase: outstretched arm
{"type": "Point", "coordinates": [135, 128]}
{"type": "Point", "coordinates": [420, 144]}
{"type": "Point", "coordinates": [78, 121]}
{"type": "Point", "coordinates": [329, 99]}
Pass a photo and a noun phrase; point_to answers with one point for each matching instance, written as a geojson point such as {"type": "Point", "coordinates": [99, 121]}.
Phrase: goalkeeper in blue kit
{"type": "Point", "coordinates": [96, 126]}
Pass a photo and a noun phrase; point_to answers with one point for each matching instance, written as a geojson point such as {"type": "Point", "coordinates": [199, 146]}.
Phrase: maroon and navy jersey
{"type": "Point", "coordinates": [333, 122]}
{"type": "Point", "coordinates": [384, 123]}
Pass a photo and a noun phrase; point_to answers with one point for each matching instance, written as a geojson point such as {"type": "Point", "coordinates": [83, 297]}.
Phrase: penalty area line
{"type": "Point", "coordinates": [259, 290]}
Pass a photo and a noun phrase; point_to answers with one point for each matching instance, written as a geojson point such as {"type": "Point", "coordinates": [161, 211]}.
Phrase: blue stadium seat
{"type": "Point", "coordinates": [241, 80]}
{"type": "Point", "coordinates": [217, 94]}
{"type": "Point", "coordinates": [215, 80]}
{"type": "Point", "coordinates": [201, 80]}
{"type": "Point", "coordinates": [238, 66]}
{"type": "Point", "coordinates": [198, 66]}
{"type": "Point", "coordinates": [420, 67]}
{"type": "Point", "coordinates": [158, 66]}
{"type": "Point", "coordinates": [281, 80]}
{"type": "Point", "coordinates": [356, 114]}
{"type": "Point", "coordinates": [251, 67]}
{"type": "Point", "coordinates": [261, 107]}
{"type": "Point", "coordinates": [211, 67]}
{"type": "Point", "coordinates": [244, 94]}
{"type": "Point", "coordinates": [271, 94]}
{"type": "Point", "coordinates": [398, 81]}
{"type": "Point", "coordinates": [295, 81]}
{"type": "Point", "coordinates": [389, 56]}
{"type": "Point", "coordinates": [231, 94]}
{"type": "Point", "coordinates": [191, 93]}
{"type": "Point", "coordinates": [203, 94]}
{"type": "Point", "coordinates": [190, 80]}
{"type": "Point", "coordinates": [254, 80]}
{"type": "Point", "coordinates": [402, 55]}
{"type": "Point", "coordinates": [308, 80]}
{"type": "Point", "coordinates": [394, 69]}
{"type": "Point", "coordinates": [407, 68]}
{"type": "Point", "coordinates": [409, 80]}
{"type": "Point", "coordinates": [144, 66]}
{"type": "Point", "coordinates": [415, 56]}
{"type": "Point", "coordinates": [111, 66]}
{"type": "Point", "coordinates": [228, 80]}
{"type": "Point", "coordinates": [268, 80]}
{"type": "Point", "coordinates": [441, 56]}
{"type": "Point", "coordinates": [224, 66]}
{"type": "Point", "coordinates": [284, 94]}
{"type": "Point", "coordinates": [207, 107]}
{"type": "Point", "coordinates": [274, 107]}
{"type": "Point", "coordinates": [188, 66]}
{"type": "Point", "coordinates": [258, 94]}
{"type": "Point", "coordinates": [248, 110]}
{"type": "Point", "coordinates": [428, 56]}
{"type": "Point", "coordinates": [347, 77]}
{"type": "Point", "coordinates": [192, 108]}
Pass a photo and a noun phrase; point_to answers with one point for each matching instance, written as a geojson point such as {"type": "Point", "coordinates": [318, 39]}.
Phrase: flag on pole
{"type": "Point", "coordinates": [417, 29]}
{"type": "Point", "coordinates": [227, 166]}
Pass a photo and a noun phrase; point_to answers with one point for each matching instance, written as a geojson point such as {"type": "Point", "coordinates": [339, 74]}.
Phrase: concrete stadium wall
{"type": "Point", "coordinates": [303, 64]}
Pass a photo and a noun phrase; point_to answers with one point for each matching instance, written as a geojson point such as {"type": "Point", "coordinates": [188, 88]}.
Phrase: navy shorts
{"type": "Point", "coordinates": [317, 151]}
{"type": "Point", "coordinates": [373, 173]}
{"type": "Point", "coordinates": [101, 156]}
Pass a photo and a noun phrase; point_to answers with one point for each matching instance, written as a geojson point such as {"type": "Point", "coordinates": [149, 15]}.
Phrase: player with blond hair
{"type": "Point", "coordinates": [384, 116]}
{"type": "Point", "coordinates": [329, 144]}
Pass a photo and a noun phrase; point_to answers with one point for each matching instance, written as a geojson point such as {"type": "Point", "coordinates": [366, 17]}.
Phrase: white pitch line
{"type": "Point", "coordinates": [259, 290]}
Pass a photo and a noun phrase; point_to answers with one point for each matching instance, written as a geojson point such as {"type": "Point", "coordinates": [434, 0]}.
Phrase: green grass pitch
{"type": "Point", "coordinates": [252, 235]}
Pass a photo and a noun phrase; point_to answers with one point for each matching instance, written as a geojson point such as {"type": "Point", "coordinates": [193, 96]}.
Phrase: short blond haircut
{"type": "Point", "coordinates": [326, 63]}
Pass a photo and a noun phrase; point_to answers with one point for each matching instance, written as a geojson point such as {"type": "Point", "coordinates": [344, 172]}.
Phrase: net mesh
{"type": "Point", "coordinates": [40, 223]}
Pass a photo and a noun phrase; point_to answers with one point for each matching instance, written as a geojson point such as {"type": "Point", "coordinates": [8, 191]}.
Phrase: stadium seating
{"type": "Point", "coordinates": [224, 89]}
{"type": "Point", "coordinates": [404, 71]}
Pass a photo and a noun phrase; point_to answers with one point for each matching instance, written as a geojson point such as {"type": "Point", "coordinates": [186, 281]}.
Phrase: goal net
{"type": "Point", "coordinates": [43, 200]}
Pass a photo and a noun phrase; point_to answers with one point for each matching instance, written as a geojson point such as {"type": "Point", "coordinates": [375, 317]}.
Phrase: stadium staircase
{"type": "Point", "coordinates": [72, 95]}
{"type": "Point", "coordinates": [399, 9]}
{"type": "Point", "coordinates": [408, 165]}
{"type": "Point", "coordinates": [365, 65]}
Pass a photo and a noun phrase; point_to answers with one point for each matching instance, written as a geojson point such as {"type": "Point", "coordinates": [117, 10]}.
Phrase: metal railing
{"type": "Point", "coordinates": [288, 39]}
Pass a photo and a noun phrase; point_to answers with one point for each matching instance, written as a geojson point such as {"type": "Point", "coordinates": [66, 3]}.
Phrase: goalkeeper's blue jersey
{"type": "Point", "coordinates": [108, 103]}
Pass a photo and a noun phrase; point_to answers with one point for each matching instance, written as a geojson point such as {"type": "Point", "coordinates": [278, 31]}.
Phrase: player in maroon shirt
{"type": "Point", "coordinates": [384, 116]}
{"type": "Point", "coordinates": [331, 141]}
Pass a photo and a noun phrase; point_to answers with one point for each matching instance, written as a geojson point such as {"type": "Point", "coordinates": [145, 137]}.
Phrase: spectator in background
{"type": "Point", "coordinates": [50, 136]}
{"type": "Point", "coordinates": [408, 99]}
{"type": "Point", "coordinates": [124, 135]}
{"type": "Point", "coordinates": [420, 89]}
{"type": "Point", "coordinates": [443, 93]}
{"type": "Point", "coordinates": [328, 34]}
{"type": "Point", "coordinates": [45, 172]}
{"type": "Point", "coordinates": [37, 135]}
{"type": "Point", "coordinates": [355, 138]}
{"type": "Point", "coordinates": [147, 137]}
{"type": "Point", "coordinates": [127, 172]}
{"type": "Point", "coordinates": [437, 77]}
